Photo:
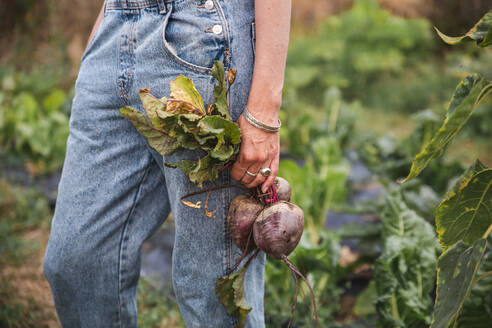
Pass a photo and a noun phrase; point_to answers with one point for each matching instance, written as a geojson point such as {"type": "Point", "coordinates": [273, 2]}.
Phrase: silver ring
{"type": "Point", "coordinates": [266, 171]}
{"type": "Point", "coordinates": [251, 174]}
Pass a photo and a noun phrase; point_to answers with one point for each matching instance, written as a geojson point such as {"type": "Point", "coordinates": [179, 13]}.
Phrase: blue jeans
{"type": "Point", "coordinates": [115, 191]}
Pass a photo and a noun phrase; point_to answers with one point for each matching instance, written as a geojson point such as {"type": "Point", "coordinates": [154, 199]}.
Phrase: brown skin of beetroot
{"type": "Point", "coordinates": [278, 229]}
{"type": "Point", "coordinates": [243, 211]}
{"type": "Point", "coordinates": [282, 187]}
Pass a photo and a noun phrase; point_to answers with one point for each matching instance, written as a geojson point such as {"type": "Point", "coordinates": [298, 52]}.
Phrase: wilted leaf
{"type": "Point", "coordinates": [158, 139]}
{"type": "Point", "coordinates": [405, 271]}
{"type": "Point", "coordinates": [456, 270]}
{"type": "Point", "coordinates": [192, 205]}
{"type": "Point", "coordinates": [208, 213]}
{"type": "Point", "coordinates": [154, 107]}
{"type": "Point", "coordinates": [465, 214]}
{"type": "Point", "coordinates": [184, 97]}
{"type": "Point", "coordinates": [220, 90]}
{"type": "Point", "coordinates": [231, 75]}
{"type": "Point", "coordinates": [481, 33]}
{"type": "Point", "coordinates": [466, 97]}
{"type": "Point", "coordinates": [230, 290]}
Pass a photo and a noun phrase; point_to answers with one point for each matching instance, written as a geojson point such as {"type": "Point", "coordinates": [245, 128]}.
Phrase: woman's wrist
{"type": "Point", "coordinates": [259, 124]}
{"type": "Point", "coordinates": [265, 107]}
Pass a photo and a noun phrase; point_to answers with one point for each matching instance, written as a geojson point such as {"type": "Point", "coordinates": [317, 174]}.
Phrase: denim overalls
{"type": "Point", "coordinates": [115, 191]}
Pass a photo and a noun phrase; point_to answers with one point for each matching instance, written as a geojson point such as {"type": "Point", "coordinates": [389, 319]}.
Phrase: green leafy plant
{"type": "Point", "coordinates": [463, 218]}
{"type": "Point", "coordinates": [480, 33]}
{"type": "Point", "coordinates": [157, 306]}
{"type": "Point", "coordinates": [319, 184]}
{"type": "Point", "coordinates": [33, 120]}
{"type": "Point", "coordinates": [319, 263]}
{"type": "Point", "coordinates": [468, 94]}
{"type": "Point", "coordinates": [183, 122]}
{"type": "Point", "coordinates": [22, 210]}
{"type": "Point", "coordinates": [404, 273]}
{"type": "Point", "coordinates": [372, 56]}
{"type": "Point", "coordinates": [230, 290]}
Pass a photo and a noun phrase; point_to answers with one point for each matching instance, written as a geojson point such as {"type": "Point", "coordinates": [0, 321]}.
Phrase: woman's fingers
{"type": "Point", "coordinates": [239, 169]}
{"type": "Point", "coordinates": [259, 179]}
{"type": "Point", "coordinates": [269, 181]}
{"type": "Point", "coordinates": [247, 178]}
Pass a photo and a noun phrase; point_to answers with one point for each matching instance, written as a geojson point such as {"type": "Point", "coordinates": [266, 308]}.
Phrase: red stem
{"type": "Point", "coordinates": [294, 269]}
{"type": "Point", "coordinates": [293, 309]}
{"type": "Point", "coordinates": [212, 189]}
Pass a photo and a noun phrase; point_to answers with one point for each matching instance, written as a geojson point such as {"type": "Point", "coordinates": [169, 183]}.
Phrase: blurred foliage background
{"type": "Point", "coordinates": [367, 83]}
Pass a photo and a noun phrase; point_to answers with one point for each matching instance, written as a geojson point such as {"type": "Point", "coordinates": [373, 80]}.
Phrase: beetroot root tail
{"type": "Point", "coordinates": [295, 270]}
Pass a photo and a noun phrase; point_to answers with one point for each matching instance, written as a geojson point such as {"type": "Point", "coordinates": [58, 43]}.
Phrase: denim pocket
{"type": "Point", "coordinates": [187, 36]}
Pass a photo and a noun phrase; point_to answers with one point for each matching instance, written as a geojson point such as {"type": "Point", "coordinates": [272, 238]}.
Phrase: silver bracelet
{"type": "Point", "coordinates": [260, 125]}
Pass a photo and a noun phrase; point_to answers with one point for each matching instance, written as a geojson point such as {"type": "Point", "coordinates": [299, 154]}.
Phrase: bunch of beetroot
{"type": "Point", "coordinates": [267, 222]}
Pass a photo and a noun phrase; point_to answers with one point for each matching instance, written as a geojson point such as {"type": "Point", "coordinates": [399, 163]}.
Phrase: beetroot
{"type": "Point", "coordinates": [242, 214]}
{"type": "Point", "coordinates": [282, 188]}
{"type": "Point", "coordinates": [278, 229]}
{"type": "Point", "coordinates": [266, 222]}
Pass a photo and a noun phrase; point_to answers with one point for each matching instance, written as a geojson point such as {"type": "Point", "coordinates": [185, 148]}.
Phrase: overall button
{"type": "Point", "coordinates": [209, 4]}
{"type": "Point", "coordinates": [217, 29]}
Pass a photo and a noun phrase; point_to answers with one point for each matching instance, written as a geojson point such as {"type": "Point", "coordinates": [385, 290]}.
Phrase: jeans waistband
{"type": "Point", "coordinates": [137, 4]}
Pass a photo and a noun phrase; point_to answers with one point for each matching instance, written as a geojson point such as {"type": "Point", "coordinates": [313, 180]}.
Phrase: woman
{"type": "Point", "coordinates": [115, 192]}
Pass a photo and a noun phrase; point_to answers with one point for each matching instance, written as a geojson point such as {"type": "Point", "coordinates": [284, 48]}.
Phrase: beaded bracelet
{"type": "Point", "coordinates": [260, 125]}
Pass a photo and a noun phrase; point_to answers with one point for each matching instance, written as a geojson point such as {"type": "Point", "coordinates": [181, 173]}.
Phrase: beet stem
{"type": "Point", "coordinates": [293, 268]}
{"type": "Point", "coordinates": [293, 309]}
{"type": "Point", "coordinates": [243, 255]}
{"type": "Point", "coordinates": [213, 188]}
{"type": "Point", "coordinates": [240, 259]}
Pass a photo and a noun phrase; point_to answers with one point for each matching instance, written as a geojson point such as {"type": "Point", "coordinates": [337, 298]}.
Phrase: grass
{"type": "Point", "coordinates": [25, 299]}
{"type": "Point", "coordinates": [157, 307]}
{"type": "Point", "coordinates": [25, 296]}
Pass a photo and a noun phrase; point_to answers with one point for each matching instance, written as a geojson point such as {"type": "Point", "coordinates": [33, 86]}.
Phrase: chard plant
{"type": "Point", "coordinates": [464, 216]}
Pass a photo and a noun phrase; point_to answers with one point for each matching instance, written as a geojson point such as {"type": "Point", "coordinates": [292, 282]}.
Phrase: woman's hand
{"type": "Point", "coordinates": [259, 149]}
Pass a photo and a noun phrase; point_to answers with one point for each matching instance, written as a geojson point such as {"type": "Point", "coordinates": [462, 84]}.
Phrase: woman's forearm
{"type": "Point", "coordinates": [99, 19]}
{"type": "Point", "coordinates": [272, 21]}
{"type": "Point", "coordinates": [260, 148]}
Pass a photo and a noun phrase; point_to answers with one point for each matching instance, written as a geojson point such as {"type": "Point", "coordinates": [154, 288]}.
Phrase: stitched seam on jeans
{"type": "Point", "coordinates": [226, 31]}
{"type": "Point", "coordinates": [122, 239]}
{"type": "Point", "coordinates": [229, 245]}
{"type": "Point", "coordinates": [227, 237]}
{"type": "Point", "coordinates": [126, 59]}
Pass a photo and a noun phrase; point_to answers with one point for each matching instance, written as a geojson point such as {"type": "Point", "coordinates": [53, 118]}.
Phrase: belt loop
{"type": "Point", "coordinates": [162, 6]}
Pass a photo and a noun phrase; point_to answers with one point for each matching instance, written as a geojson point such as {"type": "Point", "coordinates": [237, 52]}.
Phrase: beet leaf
{"type": "Point", "coordinates": [230, 290]}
